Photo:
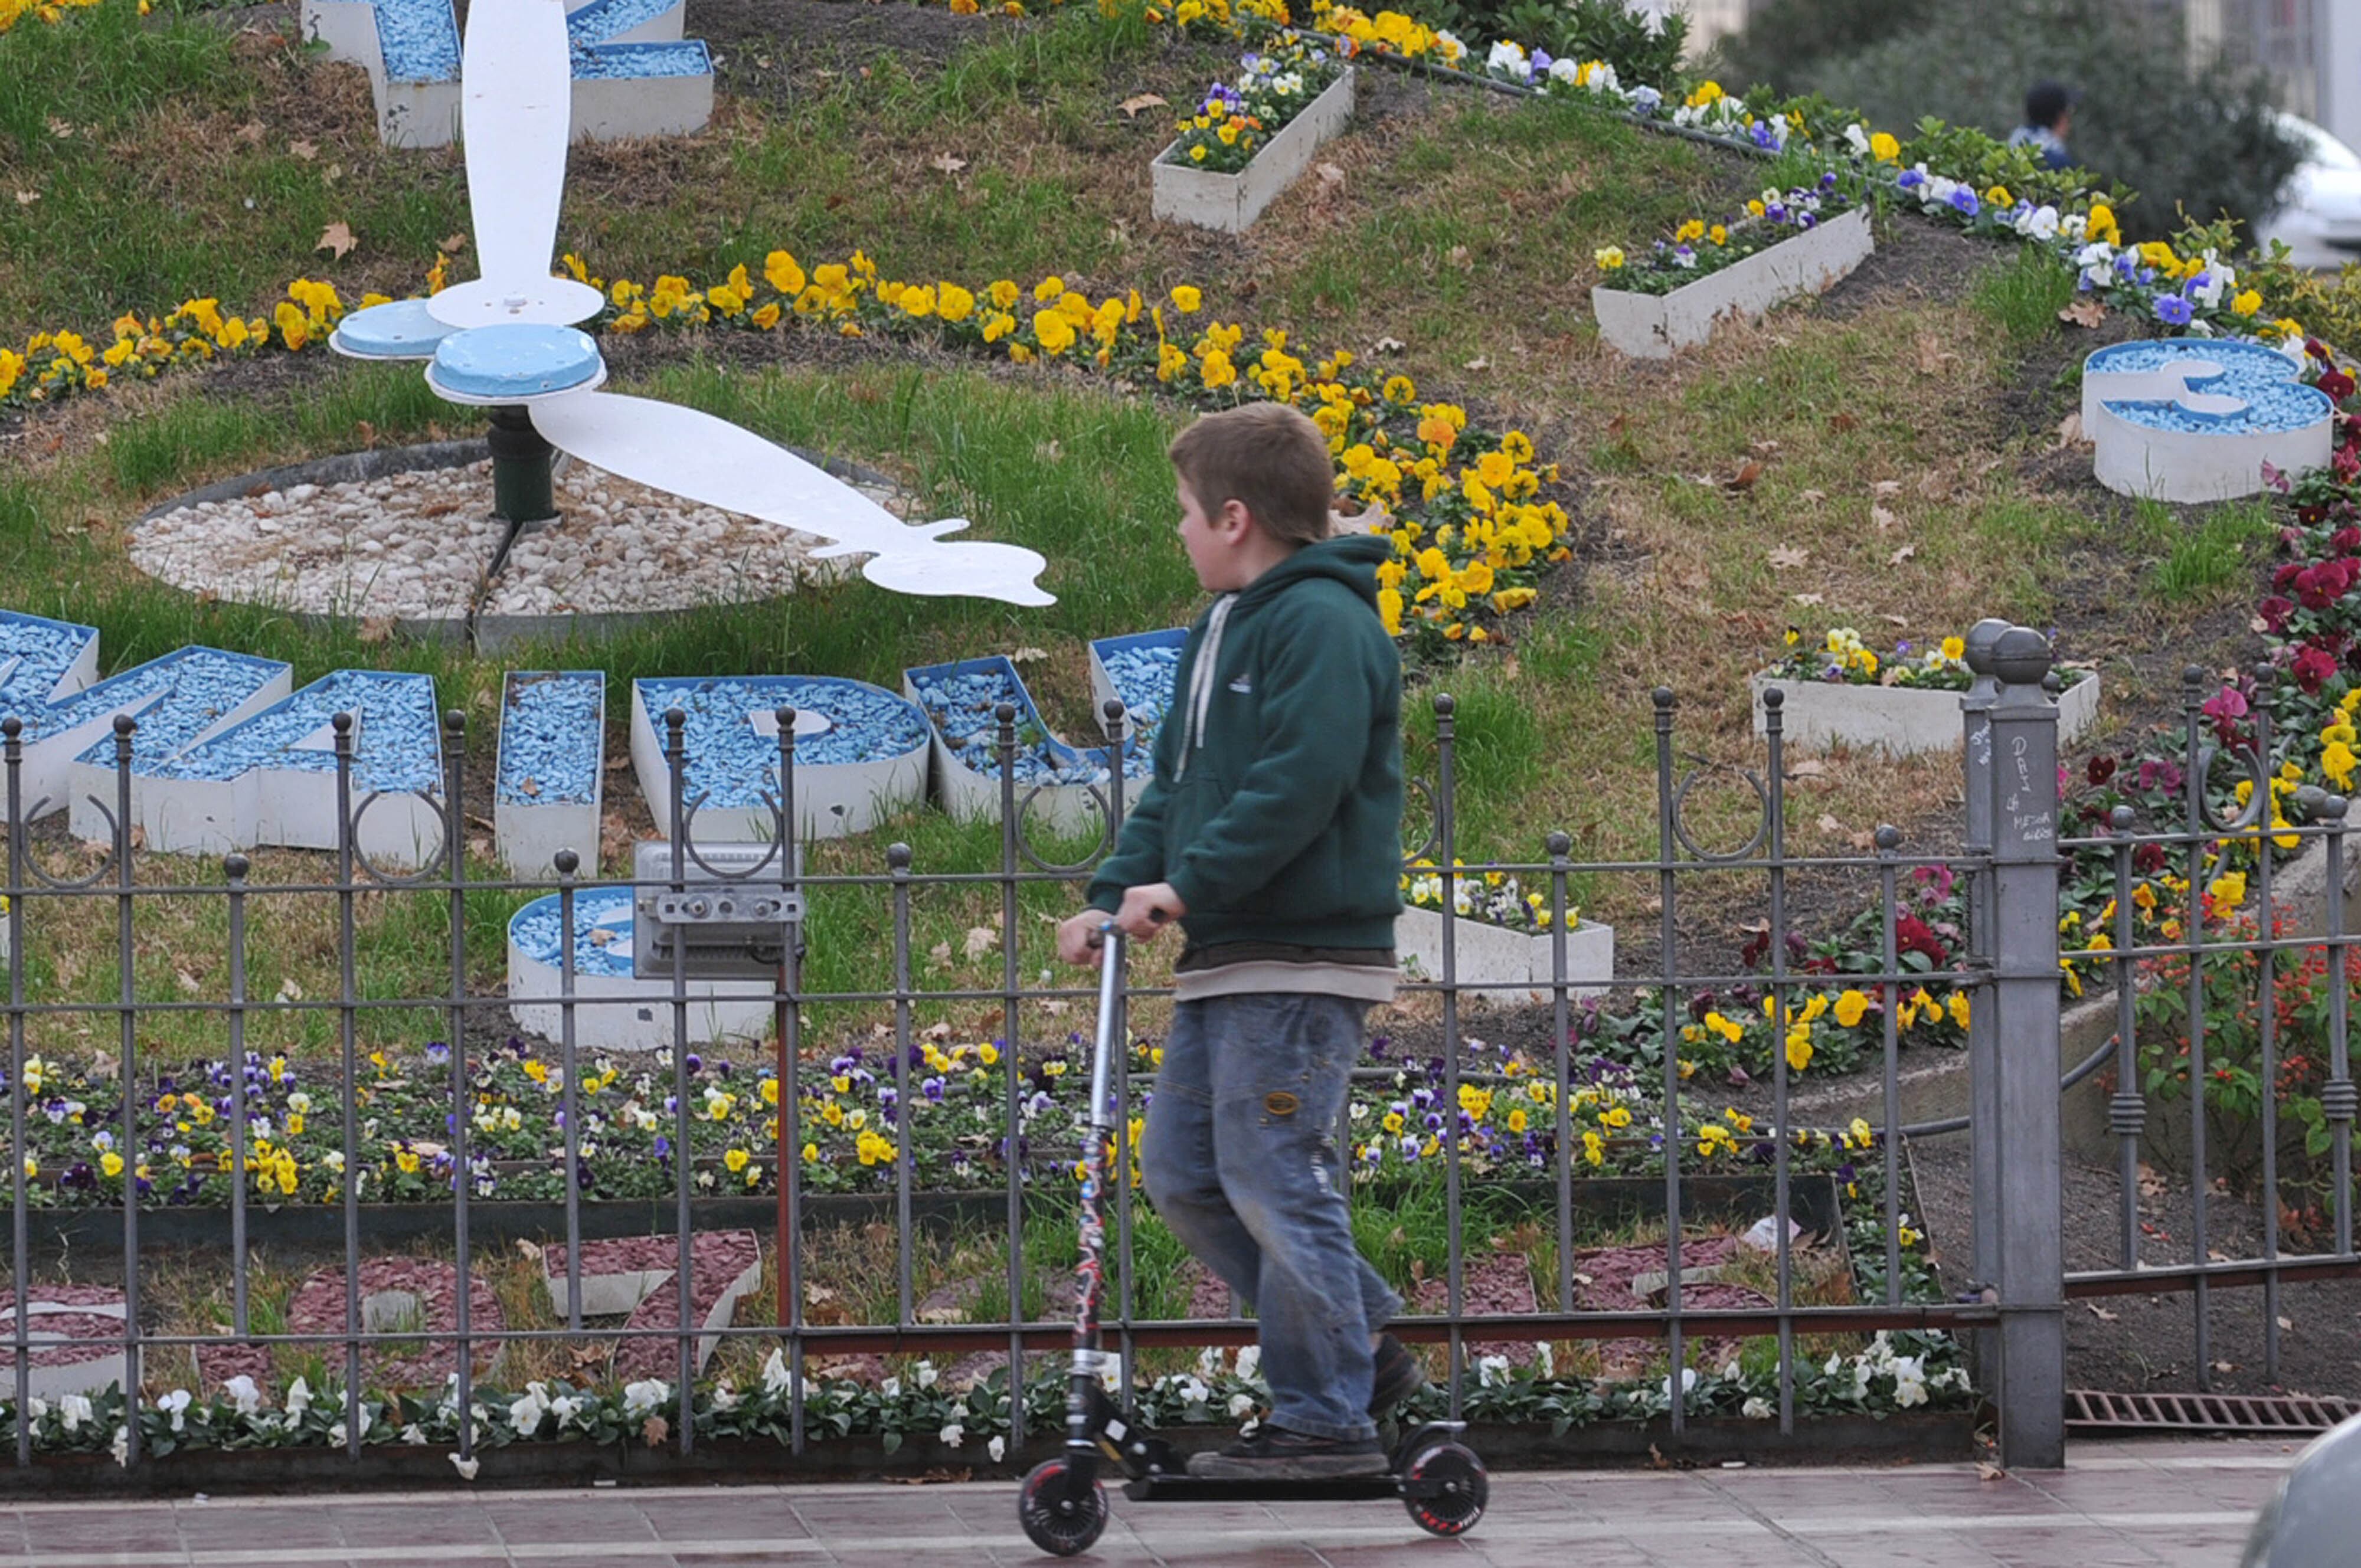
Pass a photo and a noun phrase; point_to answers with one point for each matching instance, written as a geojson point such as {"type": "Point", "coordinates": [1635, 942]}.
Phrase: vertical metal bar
{"type": "Point", "coordinates": [684, 1277]}
{"type": "Point", "coordinates": [128, 984]}
{"type": "Point", "coordinates": [1985, 1133]}
{"type": "Point", "coordinates": [235, 867]}
{"type": "Point", "coordinates": [12, 747]}
{"type": "Point", "coordinates": [347, 990]}
{"type": "Point", "coordinates": [1005, 749]}
{"type": "Point", "coordinates": [2193, 934]}
{"type": "Point", "coordinates": [1126, 1305]}
{"type": "Point", "coordinates": [1559, 845]}
{"type": "Point", "coordinates": [789, 1241]}
{"type": "Point", "coordinates": [2127, 1111]}
{"type": "Point", "coordinates": [2264, 803]}
{"type": "Point", "coordinates": [1774, 730]}
{"type": "Point", "coordinates": [454, 849]}
{"type": "Point", "coordinates": [1446, 787]}
{"type": "Point", "coordinates": [2025, 995]}
{"type": "Point", "coordinates": [567, 862]}
{"type": "Point", "coordinates": [897, 860]}
{"type": "Point", "coordinates": [1668, 942]}
{"type": "Point", "coordinates": [1889, 1137]}
{"type": "Point", "coordinates": [2338, 1096]}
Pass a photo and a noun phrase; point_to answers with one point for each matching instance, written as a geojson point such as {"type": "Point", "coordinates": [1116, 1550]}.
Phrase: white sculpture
{"type": "Point", "coordinates": [507, 341]}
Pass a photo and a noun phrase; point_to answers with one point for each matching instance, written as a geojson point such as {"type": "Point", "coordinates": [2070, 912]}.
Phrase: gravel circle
{"type": "Point", "coordinates": [423, 545]}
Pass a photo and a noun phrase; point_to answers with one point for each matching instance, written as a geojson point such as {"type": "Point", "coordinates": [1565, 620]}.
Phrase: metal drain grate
{"type": "Point", "coordinates": [2088, 1410]}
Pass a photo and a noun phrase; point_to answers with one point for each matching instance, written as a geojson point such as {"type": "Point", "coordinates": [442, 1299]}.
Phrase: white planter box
{"type": "Point", "coordinates": [969, 793]}
{"type": "Point", "coordinates": [1230, 202]}
{"type": "Point", "coordinates": [532, 816]}
{"type": "Point", "coordinates": [1485, 954]}
{"type": "Point", "coordinates": [2206, 381]}
{"type": "Point", "coordinates": [1899, 721]}
{"type": "Point", "coordinates": [1656, 326]}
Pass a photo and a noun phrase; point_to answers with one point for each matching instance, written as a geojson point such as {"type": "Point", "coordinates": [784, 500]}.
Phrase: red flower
{"type": "Point", "coordinates": [1912, 935]}
{"type": "Point", "coordinates": [2336, 384]}
{"type": "Point", "coordinates": [2275, 612]}
{"type": "Point", "coordinates": [2100, 768]}
{"type": "Point", "coordinates": [2313, 667]}
{"type": "Point", "coordinates": [2346, 541]}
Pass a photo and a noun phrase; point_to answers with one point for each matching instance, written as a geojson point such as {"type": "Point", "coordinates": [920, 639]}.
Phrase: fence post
{"type": "Point", "coordinates": [2028, 1253]}
{"type": "Point", "coordinates": [1983, 1120]}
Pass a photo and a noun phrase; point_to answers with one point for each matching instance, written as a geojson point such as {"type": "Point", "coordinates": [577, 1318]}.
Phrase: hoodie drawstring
{"type": "Point", "coordinates": [1200, 682]}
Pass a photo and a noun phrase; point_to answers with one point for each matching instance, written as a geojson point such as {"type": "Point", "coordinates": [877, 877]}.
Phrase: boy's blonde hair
{"type": "Point", "coordinates": [1267, 456]}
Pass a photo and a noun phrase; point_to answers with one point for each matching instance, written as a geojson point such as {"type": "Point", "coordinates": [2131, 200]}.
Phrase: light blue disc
{"type": "Point", "coordinates": [518, 359]}
{"type": "Point", "coordinates": [399, 330]}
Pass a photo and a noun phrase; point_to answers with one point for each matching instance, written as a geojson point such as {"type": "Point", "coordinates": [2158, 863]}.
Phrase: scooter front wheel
{"type": "Point", "coordinates": [1055, 1518]}
{"type": "Point", "coordinates": [1451, 1489]}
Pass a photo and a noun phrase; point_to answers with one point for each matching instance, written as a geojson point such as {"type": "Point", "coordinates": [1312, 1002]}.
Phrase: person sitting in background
{"type": "Point", "coordinates": [2049, 119]}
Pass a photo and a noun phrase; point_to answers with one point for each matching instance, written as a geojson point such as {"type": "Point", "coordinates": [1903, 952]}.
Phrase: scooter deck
{"type": "Point", "coordinates": [1162, 1488]}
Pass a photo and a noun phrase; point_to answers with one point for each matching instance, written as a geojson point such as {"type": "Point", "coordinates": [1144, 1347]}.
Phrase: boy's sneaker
{"type": "Point", "coordinates": [1274, 1454]}
{"type": "Point", "coordinates": [1398, 1377]}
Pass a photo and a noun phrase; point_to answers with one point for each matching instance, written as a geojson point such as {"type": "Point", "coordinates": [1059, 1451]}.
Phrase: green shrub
{"type": "Point", "coordinates": [2199, 142]}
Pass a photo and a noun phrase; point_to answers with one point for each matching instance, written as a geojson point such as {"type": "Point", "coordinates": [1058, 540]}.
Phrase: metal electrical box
{"type": "Point", "coordinates": [729, 919]}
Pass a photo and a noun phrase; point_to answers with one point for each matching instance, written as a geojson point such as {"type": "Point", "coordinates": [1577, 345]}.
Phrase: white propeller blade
{"type": "Point", "coordinates": [516, 114]}
{"type": "Point", "coordinates": [708, 460]}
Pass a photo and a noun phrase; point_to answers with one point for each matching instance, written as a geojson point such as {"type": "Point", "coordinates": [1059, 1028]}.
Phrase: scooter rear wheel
{"type": "Point", "coordinates": [1455, 1509]}
{"type": "Point", "coordinates": [1055, 1519]}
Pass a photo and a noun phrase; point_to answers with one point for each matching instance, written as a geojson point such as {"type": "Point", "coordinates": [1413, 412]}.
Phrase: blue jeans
{"type": "Point", "coordinates": [1240, 1155]}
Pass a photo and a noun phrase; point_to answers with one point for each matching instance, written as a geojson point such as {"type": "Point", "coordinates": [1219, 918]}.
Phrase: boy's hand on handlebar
{"type": "Point", "coordinates": [1079, 939]}
{"type": "Point", "coordinates": [1148, 909]}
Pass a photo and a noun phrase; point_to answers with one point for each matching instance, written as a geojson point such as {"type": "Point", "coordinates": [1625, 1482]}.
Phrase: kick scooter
{"type": "Point", "coordinates": [1064, 1506]}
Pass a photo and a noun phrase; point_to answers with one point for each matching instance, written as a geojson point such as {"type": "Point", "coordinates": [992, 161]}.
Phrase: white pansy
{"type": "Point", "coordinates": [2040, 223]}
{"type": "Point", "coordinates": [726, 1398]}
{"type": "Point", "coordinates": [1758, 1409]}
{"type": "Point", "coordinates": [997, 1448]}
{"type": "Point", "coordinates": [121, 1446]}
{"type": "Point", "coordinates": [1563, 69]}
{"type": "Point", "coordinates": [176, 1403]}
{"type": "Point", "coordinates": [1688, 1383]}
{"type": "Point", "coordinates": [891, 1388]}
{"type": "Point", "coordinates": [299, 1400]}
{"type": "Point", "coordinates": [243, 1394]}
{"type": "Point", "coordinates": [1857, 139]}
{"type": "Point", "coordinates": [1250, 1361]}
{"type": "Point", "coordinates": [414, 1435]}
{"type": "Point", "coordinates": [525, 1414]}
{"type": "Point", "coordinates": [775, 1375]}
{"type": "Point", "coordinates": [1241, 1406]}
{"type": "Point", "coordinates": [642, 1398]}
{"type": "Point", "coordinates": [952, 1435]}
{"type": "Point", "coordinates": [1491, 1369]}
{"type": "Point", "coordinates": [928, 1374]}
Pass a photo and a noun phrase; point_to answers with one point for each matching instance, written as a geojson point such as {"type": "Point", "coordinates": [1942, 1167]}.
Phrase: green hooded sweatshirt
{"type": "Point", "coordinates": [1276, 808]}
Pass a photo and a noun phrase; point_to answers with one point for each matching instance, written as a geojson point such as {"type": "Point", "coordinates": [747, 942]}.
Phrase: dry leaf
{"type": "Point", "coordinates": [188, 982]}
{"type": "Point", "coordinates": [948, 163]}
{"type": "Point", "coordinates": [1830, 824]}
{"type": "Point", "coordinates": [1902, 554]}
{"type": "Point", "coordinates": [1745, 477]}
{"type": "Point", "coordinates": [530, 787]}
{"type": "Point", "coordinates": [303, 149]}
{"type": "Point", "coordinates": [455, 244]}
{"type": "Point", "coordinates": [1987, 1471]}
{"type": "Point", "coordinates": [1809, 768]}
{"type": "Point", "coordinates": [27, 198]}
{"type": "Point", "coordinates": [2287, 1325]}
{"type": "Point", "coordinates": [600, 937]}
{"type": "Point", "coordinates": [1811, 598]}
{"type": "Point", "coordinates": [1887, 487]}
{"type": "Point", "coordinates": [2225, 1367]}
{"type": "Point", "coordinates": [2101, 1314]}
{"type": "Point", "coordinates": [375, 629]}
{"type": "Point", "coordinates": [1330, 175]}
{"type": "Point", "coordinates": [654, 1430]}
{"type": "Point", "coordinates": [1932, 354]}
{"type": "Point", "coordinates": [1132, 105]}
{"type": "Point", "coordinates": [1386, 345]}
{"type": "Point", "coordinates": [1029, 655]}
{"type": "Point", "coordinates": [250, 132]}
{"type": "Point", "coordinates": [1458, 257]}
{"type": "Point", "coordinates": [1786, 555]}
{"type": "Point", "coordinates": [1896, 619]}
{"type": "Point", "coordinates": [2070, 429]}
{"type": "Point", "coordinates": [1811, 497]}
{"type": "Point", "coordinates": [1840, 422]}
{"type": "Point", "coordinates": [2086, 311]}
{"type": "Point", "coordinates": [529, 1251]}
{"type": "Point", "coordinates": [939, 954]}
{"type": "Point", "coordinates": [365, 430]}
{"type": "Point", "coordinates": [980, 940]}
{"type": "Point", "coordinates": [1880, 516]}
{"type": "Point", "coordinates": [337, 239]}
{"type": "Point", "coordinates": [1480, 363]}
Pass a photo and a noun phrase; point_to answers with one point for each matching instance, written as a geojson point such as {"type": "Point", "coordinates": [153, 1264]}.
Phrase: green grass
{"type": "Point", "coordinates": [2218, 557]}
{"type": "Point", "coordinates": [2023, 299]}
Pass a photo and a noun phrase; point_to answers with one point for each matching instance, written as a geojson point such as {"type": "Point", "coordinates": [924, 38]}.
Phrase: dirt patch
{"type": "Point", "coordinates": [1917, 259]}
{"type": "Point", "coordinates": [2142, 1343]}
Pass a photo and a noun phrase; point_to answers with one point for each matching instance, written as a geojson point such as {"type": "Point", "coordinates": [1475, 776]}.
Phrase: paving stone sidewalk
{"type": "Point", "coordinates": [2147, 1505]}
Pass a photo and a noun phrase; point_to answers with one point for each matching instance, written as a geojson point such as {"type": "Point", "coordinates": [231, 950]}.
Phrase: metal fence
{"type": "Point", "coordinates": [2007, 1298]}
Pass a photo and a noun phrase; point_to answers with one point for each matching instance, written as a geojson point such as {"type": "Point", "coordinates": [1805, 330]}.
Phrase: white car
{"type": "Point", "coordinates": [2319, 214]}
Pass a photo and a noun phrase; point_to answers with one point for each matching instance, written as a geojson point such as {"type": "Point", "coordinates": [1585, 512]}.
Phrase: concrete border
{"type": "Point", "coordinates": [1657, 327]}
{"type": "Point", "coordinates": [1180, 193]}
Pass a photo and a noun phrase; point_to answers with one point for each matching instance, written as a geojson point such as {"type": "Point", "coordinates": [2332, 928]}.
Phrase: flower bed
{"type": "Point", "coordinates": [1807, 258]}
{"type": "Point", "coordinates": [1843, 694]}
{"type": "Point", "coordinates": [1247, 144]}
{"type": "Point", "coordinates": [861, 753]}
{"type": "Point", "coordinates": [1138, 671]}
{"type": "Point", "coordinates": [2193, 420]}
{"type": "Point", "coordinates": [551, 770]}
